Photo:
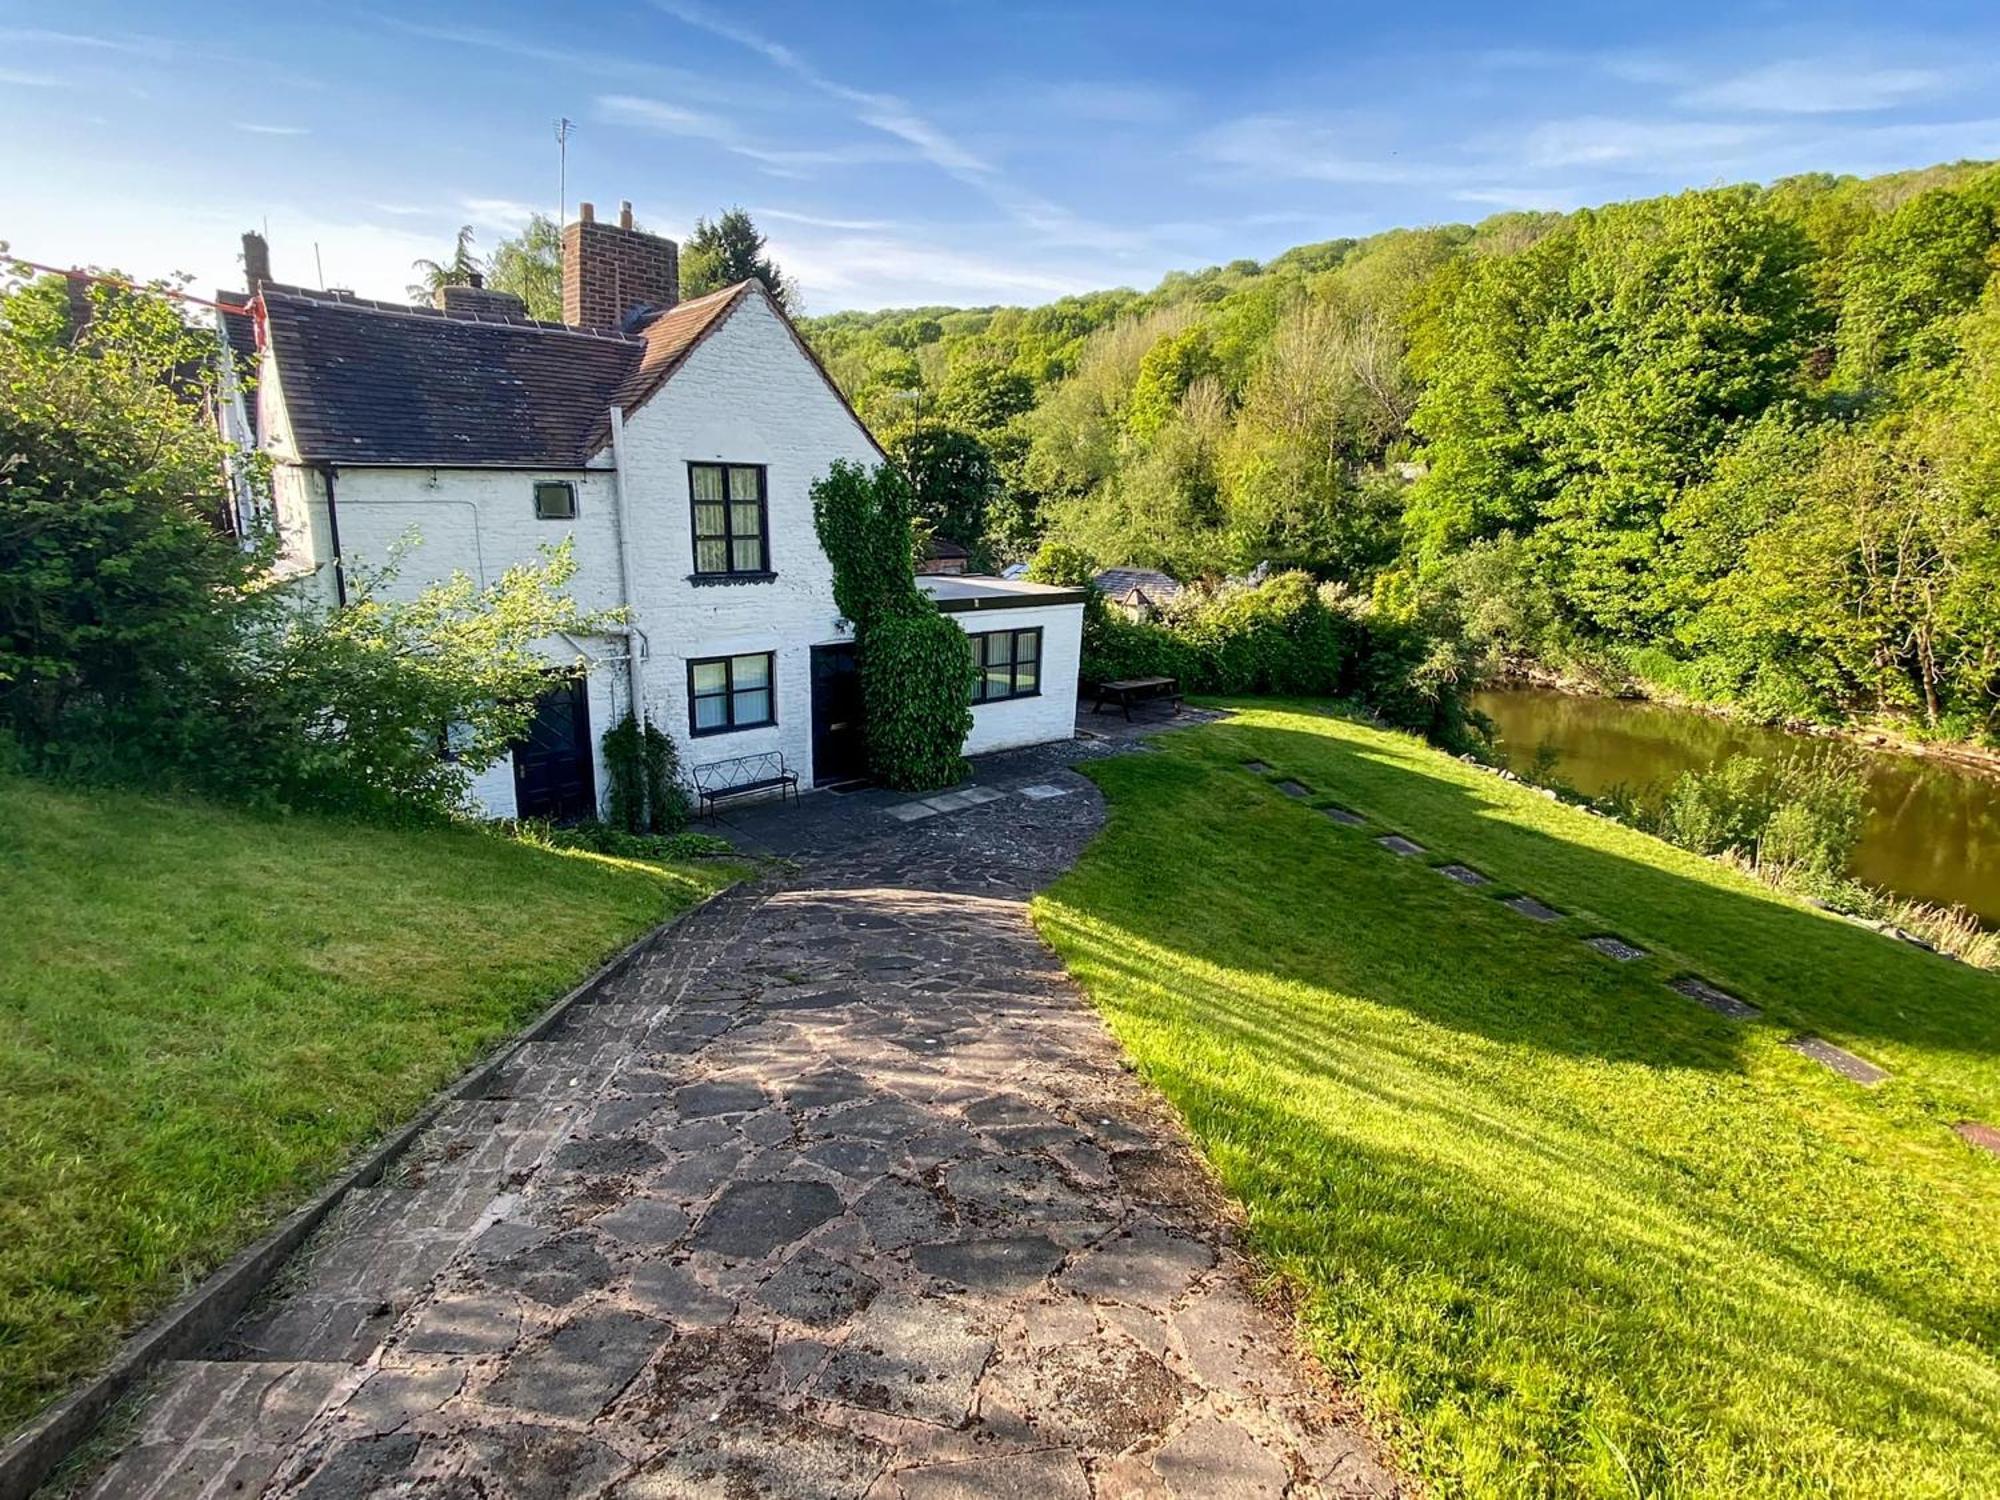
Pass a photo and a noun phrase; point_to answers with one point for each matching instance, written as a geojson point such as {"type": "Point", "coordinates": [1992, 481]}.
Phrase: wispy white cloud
{"type": "Point", "coordinates": [885, 112]}
{"type": "Point", "coordinates": [1310, 150]}
{"type": "Point", "coordinates": [1815, 86]}
{"type": "Point", "coordinates": [817, 221]}
{"type": "Point", "coordinates": [675, 119]}
{"type": "Point", "coordinates": [15, 78]}
{"type": "Point", "coordinates": [508, 215]}
{"type": "Point", "coordinates": [29, 36]}
{"type": "Point", "coordinates": [876, 270]}
{"type": "Point", "coordinates": [1638, 144]}
{"type": "Point", "coordinates": [894, 117]}
{"type": "Point", "coordinates": [1536, 200]}
{"type": "Point", "coordinates": [254, 128]}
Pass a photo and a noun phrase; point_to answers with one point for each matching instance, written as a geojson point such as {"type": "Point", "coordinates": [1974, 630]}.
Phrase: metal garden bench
{"type": "Point", "coordinates": [744, 776]}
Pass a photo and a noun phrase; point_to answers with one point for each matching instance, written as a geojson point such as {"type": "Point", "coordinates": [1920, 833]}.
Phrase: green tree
{"type": "Point", "coordinates": [1906, 281]}
{"type": "Point", "coordinates": [1175, 362]}
{"type": "Point", "coordinates": [952, 480]}
{"type": "Point", "coordinates": [728, 250]}
{"type": "Point", "coordinates": [460, 269]}
{"type": "Point", "coordinates": [529, 265]}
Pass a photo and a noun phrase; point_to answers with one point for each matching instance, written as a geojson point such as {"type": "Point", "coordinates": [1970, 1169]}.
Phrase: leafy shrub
{"type": "Point", "coordinates": [916, 685]}
{"type": "Point", "coordinates": [646, 794]}
{"type": "Point", "coordinates": [1802, 814]}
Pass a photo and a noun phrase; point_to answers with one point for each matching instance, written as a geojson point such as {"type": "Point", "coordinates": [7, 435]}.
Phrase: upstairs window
{"type": "Point", "coordinates": [730, 538]}
{"type": "Point", "coordinates": [730, 692]}
{"type": "Point", "coordinates": [555, 500]}
{"type": "Point", "coordinates": [1010, 664]}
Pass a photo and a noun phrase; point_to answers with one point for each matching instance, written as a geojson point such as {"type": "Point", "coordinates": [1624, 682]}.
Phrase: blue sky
{"type": "Point", "coordinates": [934, 152]}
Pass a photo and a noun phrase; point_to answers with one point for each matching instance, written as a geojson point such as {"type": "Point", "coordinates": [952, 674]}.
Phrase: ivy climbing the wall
{"type": "Point", "coordinates": [644, 770]}
{"type": "Point", "coordinates": [916, 666]}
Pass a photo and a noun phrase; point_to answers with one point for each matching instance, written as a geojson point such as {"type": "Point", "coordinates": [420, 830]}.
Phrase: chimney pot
{"type": "Point", "coordinates": [625, 214]}
{"type": "Point", "coordinates": [587, 212]}
{"type": "Point", "coordinates": [475, 278]}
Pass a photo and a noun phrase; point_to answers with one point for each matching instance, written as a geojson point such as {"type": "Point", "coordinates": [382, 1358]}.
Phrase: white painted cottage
{"type": "Point", "coordinates": [675, 444]}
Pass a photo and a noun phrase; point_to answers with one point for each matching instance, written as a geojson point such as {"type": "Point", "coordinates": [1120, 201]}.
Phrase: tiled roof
{"type": "Point", "coordinates": [1119, 583]}
{"type": "Point", "coordinates": [378, 383]}
{"type": "Point", "coordinates": [372, 382]}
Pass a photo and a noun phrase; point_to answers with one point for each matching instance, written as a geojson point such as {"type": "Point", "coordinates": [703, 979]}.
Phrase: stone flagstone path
{"type": "Point", "coordinates": [841, 1191]}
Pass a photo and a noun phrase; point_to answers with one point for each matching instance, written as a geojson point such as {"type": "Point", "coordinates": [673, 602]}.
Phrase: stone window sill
{"type": "Point", "coordinates": [711, 580]}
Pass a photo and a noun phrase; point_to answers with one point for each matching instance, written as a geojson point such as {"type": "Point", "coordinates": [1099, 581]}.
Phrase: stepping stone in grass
{"type": "Point", "coordinates": [1260, 767]}
{"type": "Point", "coordinates": [1463, 874]}
{"type": "Point", "coordinates": [1843, 1062]}
{"type": "Point", "coordinates": [1720, 1001]}
{"type": "Point", "coordinates": [1532, 909]}
{"type": "Point", "coordinates": [1985, 1137]}
{"type": "Point", "coordinates": [1346, 817]}
{"type": "Point", "coordinates": [1042, 792]}
{"type": "Point", "coordinates": [1295, 789]}
{"type": "Point", "coordinates": [1395, 843]}
{"type": "Point", "coordinates": [1615, 947]}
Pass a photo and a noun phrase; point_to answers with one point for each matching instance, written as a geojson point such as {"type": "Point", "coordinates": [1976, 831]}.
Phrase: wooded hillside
{"type": "Point", "coordinates": [1743, 442]}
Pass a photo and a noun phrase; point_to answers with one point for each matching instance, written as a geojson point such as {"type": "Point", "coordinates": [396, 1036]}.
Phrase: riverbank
{"type": "Point", "coordinates": [1891, 738]}
{"type": "Point", "coordinates": [1927, 854]}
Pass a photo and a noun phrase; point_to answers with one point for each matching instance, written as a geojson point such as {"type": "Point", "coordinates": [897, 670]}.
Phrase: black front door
{"type": "Point", "coordinates": [553, 774]}
{"type": "Point", "coordinates": [839, 752]}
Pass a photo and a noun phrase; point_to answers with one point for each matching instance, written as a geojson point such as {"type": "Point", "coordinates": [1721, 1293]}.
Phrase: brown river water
{"type": "Point", "coordinates": [1933, 828]}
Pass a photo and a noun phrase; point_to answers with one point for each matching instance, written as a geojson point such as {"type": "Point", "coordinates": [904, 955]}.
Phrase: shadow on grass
{"type": "Point", "coordinates": [1570, 1229]}
{"type": "Point", "coordinates": [1933, 1022]}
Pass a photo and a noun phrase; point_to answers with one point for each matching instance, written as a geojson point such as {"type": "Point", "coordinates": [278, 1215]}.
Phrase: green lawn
{"type": "Point", "coordinates": [203, 1015]}
{"type": "Point", "coordinates": [1562, 1230]}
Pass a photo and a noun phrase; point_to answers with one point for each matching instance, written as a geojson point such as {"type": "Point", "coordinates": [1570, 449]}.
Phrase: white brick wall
{"type": "Point", "coordinates": [746, 395]}
{"type": "Point", "coordinates": [1051, 714]}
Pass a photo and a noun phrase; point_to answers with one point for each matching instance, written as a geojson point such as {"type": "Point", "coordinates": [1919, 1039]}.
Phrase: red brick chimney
{"type": "Point", "coordinates": [256, 261]}
{"type": "Point", "coordinates": [609, 271]}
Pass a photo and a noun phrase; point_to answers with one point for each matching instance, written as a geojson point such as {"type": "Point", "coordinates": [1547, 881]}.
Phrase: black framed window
{"type": "Point", "coordinates": [1010, 664]}
{"type": "Point", "coordinates": [730, 535]}
{"type": "Point", "coordinates": [731, 692]}
{"type": "Point", "coordinates": [555, 500]}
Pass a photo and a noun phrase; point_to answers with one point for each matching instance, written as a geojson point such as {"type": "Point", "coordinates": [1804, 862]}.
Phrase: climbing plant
{"type": "Point", "coordinates": [916, 666]}
{"type": "Point", "coordinates": [646, 795]}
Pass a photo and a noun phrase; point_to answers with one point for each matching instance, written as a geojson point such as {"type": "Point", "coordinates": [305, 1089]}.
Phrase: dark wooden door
{"type": "Point", "coordinates": [840, 753]}
{"type": "Point", "coordinates": [554, 776]}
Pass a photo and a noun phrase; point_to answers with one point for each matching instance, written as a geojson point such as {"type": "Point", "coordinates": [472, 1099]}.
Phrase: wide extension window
{"type": "Point", "coordinates": [730, 692]}
{"type": "Point", "coordinates": [1010, 664]}
{"type": "Point", "coordinates": [555, 500]}
{"type": "Point", "coordinates": [729, 520]}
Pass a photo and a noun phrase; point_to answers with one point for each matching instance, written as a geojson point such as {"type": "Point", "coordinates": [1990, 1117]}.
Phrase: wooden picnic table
{"type": "Point", "coordinates": [1128, 690]}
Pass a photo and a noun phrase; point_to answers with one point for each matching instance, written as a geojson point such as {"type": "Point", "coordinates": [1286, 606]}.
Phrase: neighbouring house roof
{"type": "Point", "coordinates": [380, 383]}
{"type": "Point", "coordinates": [1121, 584]}
{"type": "Point", "coordinates": [944, 549]}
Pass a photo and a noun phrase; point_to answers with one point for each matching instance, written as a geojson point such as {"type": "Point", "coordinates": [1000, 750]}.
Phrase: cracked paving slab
{"type": "Point", "coordinates": [839, 1191]}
